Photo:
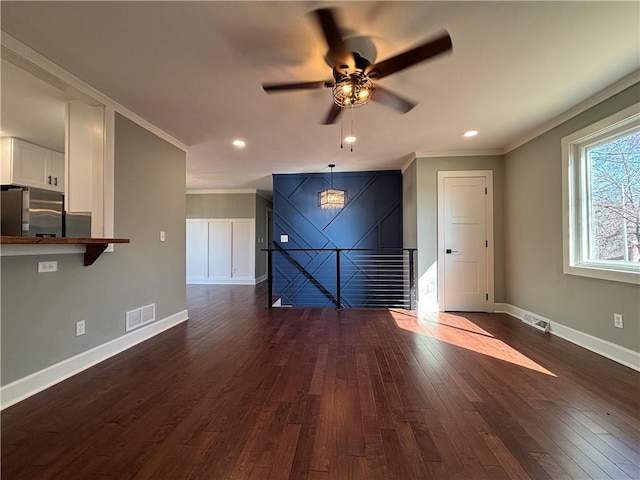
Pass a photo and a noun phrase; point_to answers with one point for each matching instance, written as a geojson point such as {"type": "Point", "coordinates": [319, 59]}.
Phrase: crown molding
{"type": "Point", "coordinates": [58, 76]}
{"type": "Point", "coordinates": [223, 191]}
{"type": "Point", "coordinates": [411, 158]}
{"type": "Point", "coordinates": [610, 91]}
{"type": "Point", "coordinates": [459, 153]}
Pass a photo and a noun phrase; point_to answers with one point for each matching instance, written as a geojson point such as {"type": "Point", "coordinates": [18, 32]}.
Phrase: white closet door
{"type": "Point", "coordinates": [197, 249]}
{"type": "Point", "coordinates": [465, 244]}
{"type": "Point", "coordinates": [219, 249]}
{"type": "Point", "coordinates": [242, 249]}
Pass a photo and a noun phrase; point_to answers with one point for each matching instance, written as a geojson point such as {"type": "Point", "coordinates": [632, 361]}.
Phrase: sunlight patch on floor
{"type": "Point", "coordinates": [457, 330]}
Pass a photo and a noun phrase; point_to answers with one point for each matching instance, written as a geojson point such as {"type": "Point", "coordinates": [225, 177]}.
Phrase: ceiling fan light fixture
{"type": "Point", "coordinates": [352, 90]}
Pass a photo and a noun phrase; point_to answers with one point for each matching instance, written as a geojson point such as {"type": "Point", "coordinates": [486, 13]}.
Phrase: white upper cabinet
{"type": "Point", "coordinates": [57, 170]}
{"type": "Point", "coordinates": [31, 165]}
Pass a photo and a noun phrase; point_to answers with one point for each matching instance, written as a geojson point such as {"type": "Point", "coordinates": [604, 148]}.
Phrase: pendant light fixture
{"type": "Point", "coordinates": [332, 198]}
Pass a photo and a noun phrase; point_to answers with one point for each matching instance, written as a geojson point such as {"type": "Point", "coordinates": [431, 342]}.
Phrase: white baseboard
{"type": "Point", "coordinates": [221, 281]}
{"type": "Point", "coordinates": [262, 278]}
{"type": "Point", "coordinates": [500, 307]}
{"type": "Point", "coordinates": [491, 307]}
{"type": "Point", "coordinates": [36, 382]}
{"type": "Point", "coordinates": [612, 351]}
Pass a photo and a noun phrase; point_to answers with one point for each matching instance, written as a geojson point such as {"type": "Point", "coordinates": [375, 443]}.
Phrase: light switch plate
{"type": "Point", "coordinates": [618, 320]}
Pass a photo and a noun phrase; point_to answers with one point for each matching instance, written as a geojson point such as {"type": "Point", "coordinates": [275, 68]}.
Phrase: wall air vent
{"type": "Point", "coordinates": [536, 322]}
{"type": "Point", "coordinates": [140, 316]}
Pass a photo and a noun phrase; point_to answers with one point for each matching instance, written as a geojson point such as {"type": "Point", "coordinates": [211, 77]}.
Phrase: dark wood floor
{"type": "Point", "coordinates": [240, 392]}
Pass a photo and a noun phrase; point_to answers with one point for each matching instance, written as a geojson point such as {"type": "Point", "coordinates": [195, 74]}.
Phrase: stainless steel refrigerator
{"type": "Point", "coordinates": [33, 212]}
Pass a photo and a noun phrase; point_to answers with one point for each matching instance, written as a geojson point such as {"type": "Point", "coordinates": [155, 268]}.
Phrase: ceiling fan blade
{"type": "Point", "coordinates": [404, 60]}
{"type": "Point", "coordinates": [392, 100]}
{"type": "Point", "coordinates": [338, 51]}
{"type": "Point", "coordinates": [279, 87]}
{"type": "Point", "coordinates": [332, 115]}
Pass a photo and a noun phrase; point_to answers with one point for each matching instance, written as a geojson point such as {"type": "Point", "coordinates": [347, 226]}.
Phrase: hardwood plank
{"type": "Point", "coordinates": [304, 448]}
{"type": "Point", "coordinates": [285, 452]}
{"type": "Point", "coordinates": [320, 368]}
{"type": "Point", "coordinates": [242, 392]}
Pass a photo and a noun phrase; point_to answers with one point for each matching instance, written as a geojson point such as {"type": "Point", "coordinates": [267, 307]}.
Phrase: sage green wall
{"type": "Point", "coordinates": [261, 234]}
{"type": "Point", "coordinates": [533, 251]}
{"type": "Point", "coordinates": [221, 205]}
{"type": "Point", "coordinates": [39, 311]}
{"type": "Point", "coordinates": [427, 217]}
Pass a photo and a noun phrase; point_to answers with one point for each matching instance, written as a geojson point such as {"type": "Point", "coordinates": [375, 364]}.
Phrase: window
{"type": "Point", "coordinates": [601, 187]}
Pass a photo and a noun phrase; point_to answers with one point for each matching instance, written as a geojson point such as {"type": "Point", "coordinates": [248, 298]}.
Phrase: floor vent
{"type": "Point", "coordinates": [539, 323]}
{"type": "Point", "coordinates": [140, 316]}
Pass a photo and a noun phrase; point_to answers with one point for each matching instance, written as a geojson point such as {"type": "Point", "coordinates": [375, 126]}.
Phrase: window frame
{"type": "Point", "coordinates": [576, 199]}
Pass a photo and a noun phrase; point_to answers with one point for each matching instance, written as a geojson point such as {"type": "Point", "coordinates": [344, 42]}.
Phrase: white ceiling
{"type": "Point", "coordinates": [195, 70]}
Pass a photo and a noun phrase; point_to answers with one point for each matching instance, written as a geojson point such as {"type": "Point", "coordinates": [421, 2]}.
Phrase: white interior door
{"type": "Point", "coordinates": [464, 242]}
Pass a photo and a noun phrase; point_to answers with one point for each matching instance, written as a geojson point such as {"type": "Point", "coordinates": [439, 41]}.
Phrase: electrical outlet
{"type": "Point", "coordinates": [44, 267]}
{"type": "Point", "coordinates": [618, 321]}
{"type": "Point", "coordinates": [80, 328]}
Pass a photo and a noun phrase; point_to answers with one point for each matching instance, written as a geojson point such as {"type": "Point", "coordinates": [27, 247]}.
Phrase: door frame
{"type": "Point", "coordinates": [488, 175]}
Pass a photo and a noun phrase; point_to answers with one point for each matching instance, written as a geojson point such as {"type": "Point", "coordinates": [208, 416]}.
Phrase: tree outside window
{"type": "Point", "coordinates": [601, 199]}
{"type": "Point", "coordinates": [614, 198]}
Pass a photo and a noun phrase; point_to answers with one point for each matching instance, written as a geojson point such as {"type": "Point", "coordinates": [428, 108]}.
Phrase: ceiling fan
{"type": "Point", "coordinates": [353, 75]}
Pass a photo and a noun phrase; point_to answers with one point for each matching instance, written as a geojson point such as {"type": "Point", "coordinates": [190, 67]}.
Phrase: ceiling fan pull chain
{"type": "Point", "coordinates": [351, 144]}
{"type": "Point", "coordinates": [341, 132]}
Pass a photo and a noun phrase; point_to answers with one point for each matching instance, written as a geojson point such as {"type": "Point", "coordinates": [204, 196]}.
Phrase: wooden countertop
{"type": "Point", "coordinates": [59, 240]}
{"type": "Point", "coordinates": [95, 246]}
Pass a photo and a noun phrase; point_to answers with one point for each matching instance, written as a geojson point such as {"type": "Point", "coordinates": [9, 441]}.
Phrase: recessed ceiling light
{"type": "Point", "coordinates": [239, 143]}
{"type": "Point", "coordinates": [350, 139]}
{"type": "Point", "coordinates": [471, 133]}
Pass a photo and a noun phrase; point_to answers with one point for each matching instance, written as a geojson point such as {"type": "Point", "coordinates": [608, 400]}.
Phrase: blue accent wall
{"type": "Point", "coordinates": [372, 218]}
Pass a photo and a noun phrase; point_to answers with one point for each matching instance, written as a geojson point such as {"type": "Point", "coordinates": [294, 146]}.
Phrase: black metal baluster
{"type": "Point", "coordinates": [339, 300]}
{"type": "Point", "coordinates": [270, 277]}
